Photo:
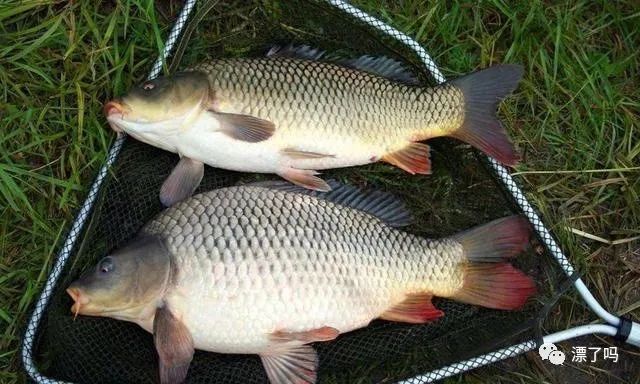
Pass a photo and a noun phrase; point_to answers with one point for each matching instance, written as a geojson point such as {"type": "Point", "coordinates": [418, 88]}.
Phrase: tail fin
{"type": "Point", "coordinates": [482, 91]}
{"type": "Point", "coordinates": [489, 281]}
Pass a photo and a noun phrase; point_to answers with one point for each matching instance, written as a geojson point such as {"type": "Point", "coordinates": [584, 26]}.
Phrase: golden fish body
{"type": "Point", "coordinates": [293, 116]}
{"type": "Point", "coordinates": [326, 116]}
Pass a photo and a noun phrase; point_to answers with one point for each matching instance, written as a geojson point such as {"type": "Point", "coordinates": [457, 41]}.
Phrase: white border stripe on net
{"type": "Point", "coordinates": [389, 30]}
{"type": "Point", "coordinates": [505, 353]}
{"type": "Point", "coordinates": [83, 214]}
{"type": "Point", "coordinates": [476, 362]}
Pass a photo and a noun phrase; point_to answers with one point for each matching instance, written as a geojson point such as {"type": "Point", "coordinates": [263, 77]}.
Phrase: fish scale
{"type": "Point", "coordinates": [346, 264]}
{"type": "Point", "coordinates": [323, 103]}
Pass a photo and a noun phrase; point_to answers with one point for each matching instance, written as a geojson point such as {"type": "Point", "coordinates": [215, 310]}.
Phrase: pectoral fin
{"type": "Point", "coordinates": [174, 345]}
{"type": "Point", "coordinates": [244, 127]}
{"type": "Point", "coordinates": [305, 178]}
{"type": "Point", "coordinates": [183, 180]}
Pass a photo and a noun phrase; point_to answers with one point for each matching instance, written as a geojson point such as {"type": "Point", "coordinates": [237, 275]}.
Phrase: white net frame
{"type": "Point", "coordinates": [613, 324]}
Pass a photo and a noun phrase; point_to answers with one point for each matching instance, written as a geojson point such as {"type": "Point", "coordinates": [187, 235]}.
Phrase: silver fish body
{"type": "Point", "coordinates": [269, 268]}
{"type": "Point", "coordinates": [252, 261]}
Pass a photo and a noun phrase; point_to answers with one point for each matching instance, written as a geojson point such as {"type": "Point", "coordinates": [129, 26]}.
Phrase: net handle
{"type": "Point", "coordinates": [505, 353]}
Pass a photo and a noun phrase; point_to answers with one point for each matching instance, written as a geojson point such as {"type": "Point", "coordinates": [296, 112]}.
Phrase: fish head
{"type": "Point", "coordinates": [124, 284]}
{"type": "Point", "coordinates": [160, 107]}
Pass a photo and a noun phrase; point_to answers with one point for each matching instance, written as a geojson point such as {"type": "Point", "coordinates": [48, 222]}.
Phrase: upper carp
{"type": "Point", "coordinates": [291, 113]}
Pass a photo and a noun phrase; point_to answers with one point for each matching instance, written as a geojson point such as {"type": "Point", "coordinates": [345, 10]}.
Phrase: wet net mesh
{"type": "Point", "coordinates": [461, 193]}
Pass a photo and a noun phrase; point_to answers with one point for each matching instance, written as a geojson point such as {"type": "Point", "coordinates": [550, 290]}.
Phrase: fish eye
{"type": "Point", "coordinates": [106, 265]}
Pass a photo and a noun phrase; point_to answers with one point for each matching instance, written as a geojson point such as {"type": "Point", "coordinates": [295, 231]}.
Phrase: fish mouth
{"type": "Point", "coordinates": [114, 111]}
{"type": "Point", "coordinates": [79, 300]}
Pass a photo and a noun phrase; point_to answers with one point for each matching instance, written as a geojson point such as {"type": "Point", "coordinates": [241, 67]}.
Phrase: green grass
{"type": "Point", "coordinates": [574, 119]}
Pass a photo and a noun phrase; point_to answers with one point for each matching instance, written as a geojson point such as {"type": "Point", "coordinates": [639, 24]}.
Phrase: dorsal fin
{"type": "Point", "coordinates": [296, 52]}
{"type": "Point", "coordinates": [382, 205]}
{"type": "Point", "coordinates": [381, 66]}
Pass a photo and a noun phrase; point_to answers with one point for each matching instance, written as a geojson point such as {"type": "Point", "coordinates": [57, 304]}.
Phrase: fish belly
{"type": "Point", "coordinates": [204, 143]}
{"type": "Point", "coordinates": [239, 312]}
{"type": "Point", "coordinates": [313, 149]}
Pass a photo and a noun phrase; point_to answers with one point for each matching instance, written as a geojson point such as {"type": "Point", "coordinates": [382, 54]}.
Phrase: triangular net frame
{"type": "Point", "coordinates": [465, 190]}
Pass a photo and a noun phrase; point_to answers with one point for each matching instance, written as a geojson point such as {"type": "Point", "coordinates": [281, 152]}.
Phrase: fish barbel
{"type": "Point", "coordinates": [267, 269]}
{"type": "Point", "coordinates": [292, 114]}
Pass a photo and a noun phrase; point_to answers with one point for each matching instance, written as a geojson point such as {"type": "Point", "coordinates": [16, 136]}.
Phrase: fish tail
{"type": "Point", "coordinates": [490, 281]}
{"type": "Point", "coordinates": [482, 91]}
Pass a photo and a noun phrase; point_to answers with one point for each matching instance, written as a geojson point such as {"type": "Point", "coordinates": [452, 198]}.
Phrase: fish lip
{"type": "Point", "coordinates": [79, 299]}
{"type": "Point", "coordinates": [113, 106]}
{"type": "Point", "coordinates": [114, 111]}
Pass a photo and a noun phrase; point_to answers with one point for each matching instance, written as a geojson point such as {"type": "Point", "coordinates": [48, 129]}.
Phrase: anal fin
{"type": "Point", "coordinates": [414, 158]}
{"type": "Point", "coordinates": [305, 178]}
{"type": "Point", "coordinates": [416, 308]}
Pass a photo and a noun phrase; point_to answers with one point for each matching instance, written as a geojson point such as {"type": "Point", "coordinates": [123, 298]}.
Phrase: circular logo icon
{"type": "Point", "coordinates": [556, 357]}
{"type": "Point", "coordinates": [545, 349]}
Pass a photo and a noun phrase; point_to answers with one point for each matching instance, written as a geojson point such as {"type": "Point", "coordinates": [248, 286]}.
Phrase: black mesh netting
{"type": "Point", "coordinates": [458, 195]}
